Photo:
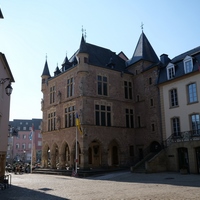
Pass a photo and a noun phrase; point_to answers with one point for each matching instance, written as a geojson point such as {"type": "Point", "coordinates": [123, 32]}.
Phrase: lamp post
{"type": "Point", "coordinates": [24, 156]}
{"type": "Point", "coordinates": [9, 88]}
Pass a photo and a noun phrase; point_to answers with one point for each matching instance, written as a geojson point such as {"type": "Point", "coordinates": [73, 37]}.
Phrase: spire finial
{"type": "Point", "coordinates": [46, 56]}
{"type": "Point", "coordinates": [82, 30]}
{"type": "Point", "coordinates": [142, 26]}
{"type": "Point", "coordinates": [84, 33]}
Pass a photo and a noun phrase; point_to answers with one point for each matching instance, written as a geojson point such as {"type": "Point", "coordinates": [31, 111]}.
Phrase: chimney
{"type": "Point", "coordinates": [164, 59]}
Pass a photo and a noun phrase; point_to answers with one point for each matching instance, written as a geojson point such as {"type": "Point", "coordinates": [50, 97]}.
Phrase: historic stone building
{"type": "Point", "coordinates": [116, 99]}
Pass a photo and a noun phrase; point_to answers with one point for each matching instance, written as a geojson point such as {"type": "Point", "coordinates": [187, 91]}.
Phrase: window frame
{"type": "Point", "coordinates": [173, 95]}
{"type": "Point", "coordinates": [139, 121]}
{"type": "Point", "coordinates": [128, 90]}
{"type": "Point", "coordinates": [176, 128]}
{"type": "Point", "coordinates": [102, 85]}
{"type": "Point", "coordinates": [150, 80]}
{"type": "Point", "coordinates": [39, 143]}
{"type": "Point", "coordinates": [196, 130]}
{"type": "Point", "coordinates": [69, 112]}
{"type": "Point", "coordinates": [17, 146]}
{"type": "Point", "coordinates": [129, 118]}
{"type": "Point", "coordinates": [51, 116]}
{"type": "Point", "coordinates": [191, 94]}
{"type": "Point", "coordinates": [70, 87]}
{"type": "Point", "coordinates": [153, 127]}
{"type": "Point", "coordinates": [103, 115]}
{"type": "Point", "coordinates": [52, 94]}
{"type": "Point", "coordinates": [151, 102]}
{"type": "Point", "coordinates": [24, 146]}
{"type": "Point", "coordinates": [170, 71]}
{"type": "Point", "coordinates": [188, 59]}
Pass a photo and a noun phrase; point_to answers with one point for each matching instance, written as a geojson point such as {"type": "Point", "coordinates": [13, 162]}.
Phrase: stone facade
{"type": "Point", "coordinates": [117, 105]}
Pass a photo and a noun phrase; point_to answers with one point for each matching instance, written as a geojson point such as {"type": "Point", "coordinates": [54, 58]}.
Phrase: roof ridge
{"type": "Point", "coordinates": [185, 53]}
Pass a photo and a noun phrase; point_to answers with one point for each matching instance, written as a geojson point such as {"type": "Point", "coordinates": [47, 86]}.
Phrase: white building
{"type": "Point", "coordinates": [5, 90]}
{"type": "Point", "coordinates": [179, 84]}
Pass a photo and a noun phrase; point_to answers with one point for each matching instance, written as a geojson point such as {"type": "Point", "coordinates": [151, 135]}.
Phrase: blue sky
{"type": "Point", "coordinates": [31, 30]}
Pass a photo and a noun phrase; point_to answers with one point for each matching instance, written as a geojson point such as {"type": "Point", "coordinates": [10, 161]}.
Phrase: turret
{"type": "Point", "coordinates": [45, 76]}
{"type": "Point", "coordinates": [66, 64]}
{"type": "Point", "coordinates": [143, 51]}
{"type": "Point", "coordinates": [83, 56]}
{"type": "Point", "coordinates": [57, 71]}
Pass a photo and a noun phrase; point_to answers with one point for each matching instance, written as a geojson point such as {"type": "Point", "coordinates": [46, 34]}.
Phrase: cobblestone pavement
{"type": "Point", "coordinates": [118, 185]}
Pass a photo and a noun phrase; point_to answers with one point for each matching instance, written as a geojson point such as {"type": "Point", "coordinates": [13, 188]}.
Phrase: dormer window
{"type": "Point", "coordinates": [170, 71]}
{"type": "Point", "coordinates": [188, 64]}
{"type": "Point", "coordinates": [85, 60]}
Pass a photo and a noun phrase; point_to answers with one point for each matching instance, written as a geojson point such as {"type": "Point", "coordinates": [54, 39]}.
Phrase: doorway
{"type": "Point", "coordinates": [183, 158]}
{"type": "Point", "coordinates": [115, 160]}
{"type": "Point", "coordinates": [141, 154]}
{"type": "Point", "coordinates": [198, 159]}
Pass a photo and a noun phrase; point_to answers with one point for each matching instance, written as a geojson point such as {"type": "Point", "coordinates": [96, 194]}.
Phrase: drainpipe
{"type": "Point", "coordinates": [160, 113]}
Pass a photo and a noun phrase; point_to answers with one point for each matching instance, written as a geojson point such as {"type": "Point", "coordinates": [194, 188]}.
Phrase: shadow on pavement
{"type": "Point", "coordinates": [190, 180]}
{"type": "Point", "coordinates": [19, 193]}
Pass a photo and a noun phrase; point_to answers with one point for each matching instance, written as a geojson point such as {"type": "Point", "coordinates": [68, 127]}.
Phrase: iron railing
{"type": "Point", "coordinates": [138, 158]}
{"type": "Point", "coordinates": [182, 137]}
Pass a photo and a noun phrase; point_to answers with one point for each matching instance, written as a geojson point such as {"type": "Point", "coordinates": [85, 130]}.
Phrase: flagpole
{"type": "Point", "coordinates": [31, 153]}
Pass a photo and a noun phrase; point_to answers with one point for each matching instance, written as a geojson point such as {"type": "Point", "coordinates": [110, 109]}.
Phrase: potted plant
{"type": "Point", "coordinates": [184, 170]}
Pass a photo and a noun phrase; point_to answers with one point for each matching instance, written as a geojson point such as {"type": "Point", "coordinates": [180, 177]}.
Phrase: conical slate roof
{"type": "Point", "coordinates": [66, 61]}
{"type": "Point", "coordinates": [46, 70]}
{"type": "Point", "coordinates": [83, 46]}
{"type": "Point", "coordinates": [57, 71]}
{"type": "Point", "coordinates": [143, 51]}
{"type": "Point", "coordinates": [1, 15]}
{"type": "Point", "coordinates": [66, 64]}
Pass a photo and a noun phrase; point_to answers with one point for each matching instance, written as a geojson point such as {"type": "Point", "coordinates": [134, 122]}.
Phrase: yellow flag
{"type": "Point", "coordinates": [78, 124]}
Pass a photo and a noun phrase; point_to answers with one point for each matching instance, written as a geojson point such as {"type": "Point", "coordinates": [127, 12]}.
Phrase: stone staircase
{"type": "Point", "coordinates": [80, 172]}
{"type": "Point", "coordinates": [140, 166]}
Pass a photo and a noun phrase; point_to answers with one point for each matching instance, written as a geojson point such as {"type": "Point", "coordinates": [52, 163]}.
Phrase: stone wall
{"type": "Point", "coordinates": [167, 159]}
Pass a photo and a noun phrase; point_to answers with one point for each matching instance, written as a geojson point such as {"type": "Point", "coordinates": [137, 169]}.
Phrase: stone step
{"type": "Point", "coordinates": [81, 173]}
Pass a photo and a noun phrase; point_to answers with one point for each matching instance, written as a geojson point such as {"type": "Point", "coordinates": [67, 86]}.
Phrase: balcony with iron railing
{"type": "Point", "coordinates": [182, 137]}
{"type": "Point", "coordinates": [186, 136]}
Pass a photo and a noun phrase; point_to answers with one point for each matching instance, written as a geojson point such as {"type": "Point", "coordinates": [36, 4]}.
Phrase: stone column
{"type": "Point", "coordinates": [44, 160]}
{"type": "Point", "coordinates": [53, 161]}
{"type": "Point", "coordinates": [61, 161]}
{"type": "Point", "coordinates": [84, 158]}
{"type": "Point", "coordinates": [104, 157]}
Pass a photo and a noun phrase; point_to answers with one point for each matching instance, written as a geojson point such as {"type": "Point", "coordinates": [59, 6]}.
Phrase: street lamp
{"type": "Point", "coordinates": [24, 156]}
{"type": "Point", "coordinates": [9, 88]}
